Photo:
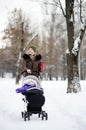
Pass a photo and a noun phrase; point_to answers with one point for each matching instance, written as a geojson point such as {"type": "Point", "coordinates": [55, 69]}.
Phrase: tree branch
{"type": "Point", "coordinates": [36, 35]}
{"type": "Point", "coordinates": [81, 11]}
{"type": "Point", "coordinates": [62, 8]}
{"type": "Point", "coordinates": [50, 3]}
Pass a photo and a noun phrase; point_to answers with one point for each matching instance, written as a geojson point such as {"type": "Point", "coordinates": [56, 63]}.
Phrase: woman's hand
{"type": "Point", "coordinates": [29, 71]}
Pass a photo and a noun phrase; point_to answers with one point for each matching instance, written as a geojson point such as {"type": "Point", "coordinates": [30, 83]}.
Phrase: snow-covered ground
{"type": "Point", "coordinates": [65, 111]}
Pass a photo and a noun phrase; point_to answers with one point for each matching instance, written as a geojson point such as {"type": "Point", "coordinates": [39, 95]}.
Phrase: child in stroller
{"type": "Point", "coordinates": [34, 97]}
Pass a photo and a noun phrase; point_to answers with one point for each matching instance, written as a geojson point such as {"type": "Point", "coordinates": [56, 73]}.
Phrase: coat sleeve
{"type": "Point", "coordinates": [25, 57]}
{"type": "Point", "coordinates": [24, 68]}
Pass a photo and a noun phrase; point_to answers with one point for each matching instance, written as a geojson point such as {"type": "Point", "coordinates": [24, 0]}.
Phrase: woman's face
{"type": "Point", "coordinates": [31, 51]}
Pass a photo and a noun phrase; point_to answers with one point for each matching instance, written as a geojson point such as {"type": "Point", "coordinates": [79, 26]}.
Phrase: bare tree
{"type": "Point", "coordinates": [53, 51]}
{"type": "Point", "coordinates": [74, 44]}
{"type": "Point", "coordinates": [74, 39]}
{"type": "Point", "coordinates": [18, 34]}
{"type": "Point", "coordinates": [74, 48]}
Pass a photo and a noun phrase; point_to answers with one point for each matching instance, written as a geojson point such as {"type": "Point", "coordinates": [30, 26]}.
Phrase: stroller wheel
{"type": "Point", "coordinates": [46, 116]}
{"type": "Point", "coordinates": [22, 114]}
{"type": "Point", "coordinates": [39, 115]}
{"type": "Point", "coordinates": [24, 117]}
{"type": "Point", "coordinates": [42, 117]}
{"type": "Point", "coordinates": [28, 116]}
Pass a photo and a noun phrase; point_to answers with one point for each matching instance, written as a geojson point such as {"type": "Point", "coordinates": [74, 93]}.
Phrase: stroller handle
{"type": "Point", "coordinates": [23, 72]}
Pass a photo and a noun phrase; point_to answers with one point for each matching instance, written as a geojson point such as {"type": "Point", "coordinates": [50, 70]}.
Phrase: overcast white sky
{"type": "Point", "coordinates": [32, 8]}
{"type": "Point", "coordinates": [6, 6]}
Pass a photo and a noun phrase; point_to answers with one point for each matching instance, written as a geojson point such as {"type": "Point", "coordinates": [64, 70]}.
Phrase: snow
{"type": "Point", "coordinates": [67, 51]}
{"type": "Point", "coordinates": [71, 19]}
{"type": "Point", "coordinates": [65, 111]}
{"type": "Point", "coordinates": [76, 46]}
{"type": "Point", "coordinates": [83, 26]}
{"type": "Point", "coordinates": [78, 39]}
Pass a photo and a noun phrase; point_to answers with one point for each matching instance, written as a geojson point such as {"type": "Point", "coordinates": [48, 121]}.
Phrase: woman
{"type": "Point", "coordinates": [32, 66]}
{"type": "Point", "coordinates": [32, 62]}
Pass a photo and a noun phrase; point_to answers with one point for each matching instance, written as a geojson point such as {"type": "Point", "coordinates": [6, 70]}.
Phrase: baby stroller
{"type": "Point", "coordinates": [33, 98]}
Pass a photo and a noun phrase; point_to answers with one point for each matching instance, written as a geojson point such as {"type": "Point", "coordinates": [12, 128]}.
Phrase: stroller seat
{"type": "Point", "coordinates": [34, 98]}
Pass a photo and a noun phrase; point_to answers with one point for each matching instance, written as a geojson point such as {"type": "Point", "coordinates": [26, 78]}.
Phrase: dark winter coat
{"type": "Point", "coordinates": [32, 64]}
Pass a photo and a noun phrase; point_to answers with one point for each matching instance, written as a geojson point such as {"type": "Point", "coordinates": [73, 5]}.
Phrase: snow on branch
{"type": "Point", "coordinates": [76, 46]}
{"type": "Point", "coordinates": [78, 40]}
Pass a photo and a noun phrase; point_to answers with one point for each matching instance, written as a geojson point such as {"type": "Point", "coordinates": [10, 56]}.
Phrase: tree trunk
{"type": "Point", "coordinates": [73, 74]}
{"type": "Point", "coordinates": [50, 74]}
{"type": "Point", "coordinates": [18, 75]}
{"type": "Point", "coordinates": [19, 69]}
{"type": "Point", "coordinates": [72, 60]}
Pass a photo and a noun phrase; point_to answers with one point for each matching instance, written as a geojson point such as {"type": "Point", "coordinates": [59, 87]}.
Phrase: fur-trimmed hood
{"type": "Point", "coordinates": [36, 58]}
